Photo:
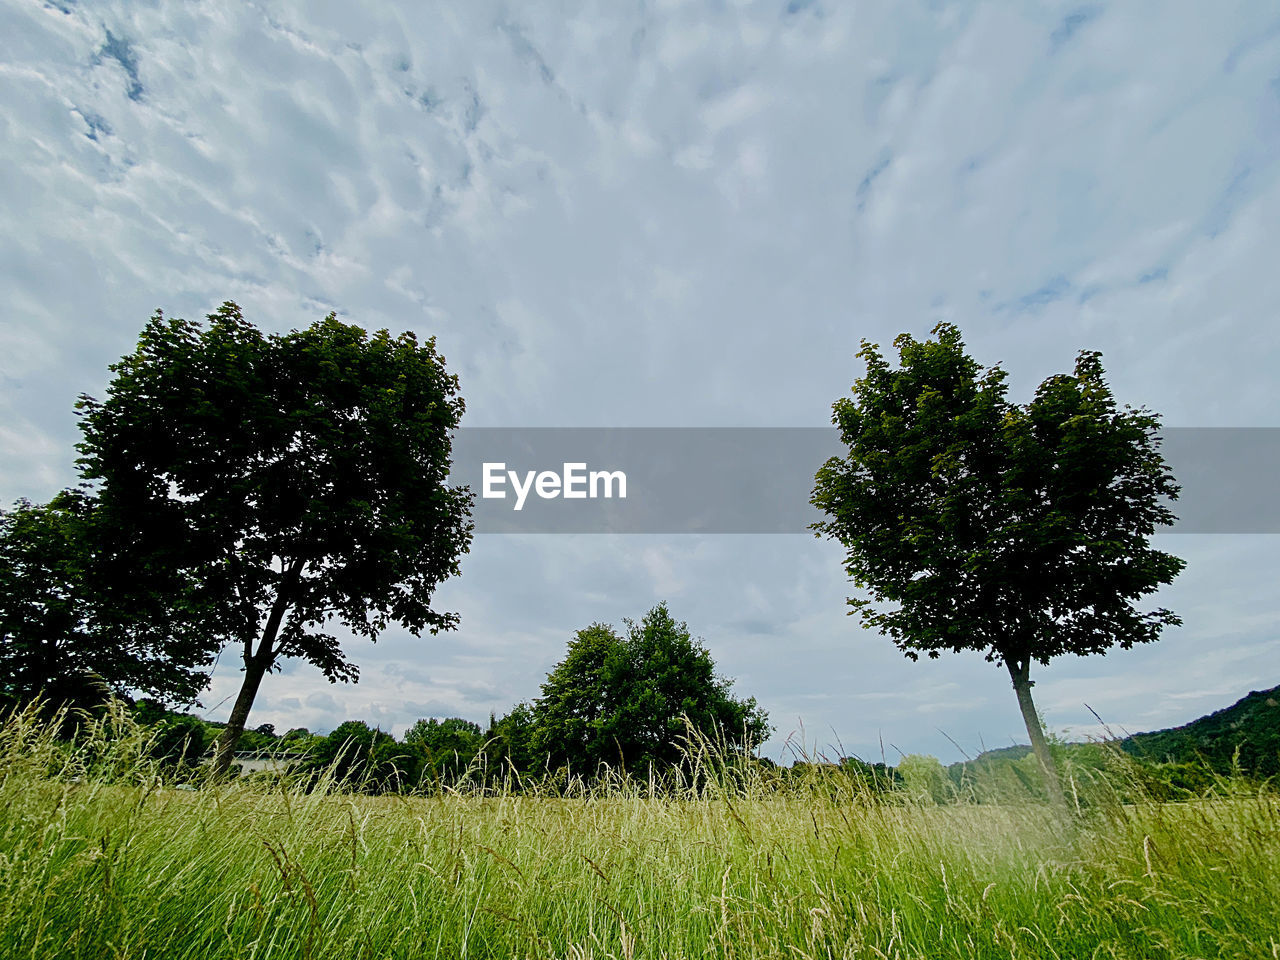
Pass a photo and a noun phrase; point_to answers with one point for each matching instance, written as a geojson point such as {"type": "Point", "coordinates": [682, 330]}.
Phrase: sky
{"type": "Point", "coordinates": [684, 214]}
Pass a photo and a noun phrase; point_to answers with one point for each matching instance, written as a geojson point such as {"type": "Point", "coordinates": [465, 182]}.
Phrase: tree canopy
{"type": "Point", "coordinates": [973, 523]}
{"type": "Point", "coordinates": [64, 636]}
{"type": "Point", "coordinates": [287, 481]}
{"type": "Point", "coordinates": [624, 700]}
{"type": "Point", "coordinates": [447, 746]}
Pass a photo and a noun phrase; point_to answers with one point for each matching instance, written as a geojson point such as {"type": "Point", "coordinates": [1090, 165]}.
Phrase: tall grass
{"type": "Point", "coordinates": [100, 858]}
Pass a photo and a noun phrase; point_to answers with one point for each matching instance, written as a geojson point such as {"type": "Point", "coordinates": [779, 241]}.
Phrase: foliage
{"type": "Point", "coordinates": [631, 702]}
{"type": "Point", "coordinates": [350, 752]}
{"type": "Point", "coordinates": [286, 481]}
{"type": "Point", "coordinates": [148, 712]}
{"type": "Point", "coordinates": [181, 742]}
{"type": "Point", "coordinates": [509, 750]}
{"type": "Point", "coordinates": [1240, 741]}
{"type": "Point", "coordinates": [64, 636]}
{"type": "Point", "coordinates": [299, 736]}
{"type": "Point", "coordinates": [976, 524]}
{"type": "Point", "coordinates": [448, 746]}
{"type": "Point", "coordinates": [1019, 531]}
{"type": "Point", "coordinates": [924, 778]}
{"type": "Point", "coordinates": [396, 767]}
{"type": "Point", "coordinates": [875, 778]}
{"type": "Point", "coordinates": [255, 740]}
{"type": "Point", "coordinates": [1243, 736]}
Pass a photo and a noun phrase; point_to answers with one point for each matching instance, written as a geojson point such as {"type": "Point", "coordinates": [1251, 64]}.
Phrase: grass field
{"type": "Point", "coordinates": [100, 867]}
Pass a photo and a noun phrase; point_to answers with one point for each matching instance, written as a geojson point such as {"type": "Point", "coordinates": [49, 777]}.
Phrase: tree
{"type": "Point", "coordinates": [64, 635]}
{"type": "Point", "coordinates": [509, 744]}
{"type": "Point", "coordinates": [875, 778]}
{"type": "Point", "coordinates": [924, 778]}
{"type": "Point", "coordinates": [361, 756]}
{"type": "Point", "coordinates": [625, 700]}
{"type": "Point", "coordinates": [179, 743]}
{"type": "Point", "coordinates": [285, 482]}
{"type": "Point", "coordinates": [1020, 531]}
{"type": "Point", "coordinates": [397, 767]}
{"type": "Point", "coordinates": [298, 737]}
{"type": "Point", "coordinates": [448, 745]}
{"type": "Point", "coordinates": [578, 716]}
{"type": "Point", "coordinates": [351, 751]}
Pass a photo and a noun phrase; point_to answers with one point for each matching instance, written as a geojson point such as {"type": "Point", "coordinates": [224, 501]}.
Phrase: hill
{"type": "Point", "coordinates": [1249, 730]}
{"type": "Point", "coordinates": [1251, 726]}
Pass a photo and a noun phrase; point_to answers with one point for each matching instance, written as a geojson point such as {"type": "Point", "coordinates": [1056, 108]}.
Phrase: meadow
{"type": "Point", "coordinates": [102, 858]}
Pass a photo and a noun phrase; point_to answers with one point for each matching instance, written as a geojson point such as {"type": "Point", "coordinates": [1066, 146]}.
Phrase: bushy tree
{"type": "Point", "coordinates": [509, 744]}
{"type": "Point", "coordinates": [579, 715]}
{"type": "Point", "coordinates": [924, 778]}
{"type": "Point", "coordinates": [180, 742]}
{"type": "Point", "coordinates": [285, 482]}
{"type": "Point", "coordinates": [65, 635]}
{"type": "Point", "coordinates": [973, 523]}
{"type": "Point", "coordinates": [148, 712]}
{"type": "Point", "coordinates": [296, 738]}
{"type": "Point", "coordinates": [397, 767]}
{"type": "Point", "coordinates": [350, 751]}
{"type": "Point", "coordinates": [876, 777]}
{"type": "Point", "coordinates": [448, 746]}
{"type": "Point", "coordinates": [625, 700]}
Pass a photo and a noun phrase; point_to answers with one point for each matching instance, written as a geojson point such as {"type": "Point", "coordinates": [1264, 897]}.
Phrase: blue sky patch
{"type": "Point", "coordinates": [1051, 292]}
{"type": "Point", "coordinates": [121, 51]}
{"type": "Point", "coordinates": [1071, 25]}
{"type": "Point", "coordinates": [868, 180]}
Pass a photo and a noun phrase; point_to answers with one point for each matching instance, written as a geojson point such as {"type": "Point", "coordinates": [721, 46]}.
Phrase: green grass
{"type": "Point", "coordinates": [113, 865]}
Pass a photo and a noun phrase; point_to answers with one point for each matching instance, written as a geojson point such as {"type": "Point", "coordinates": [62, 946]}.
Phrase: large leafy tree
{"type": "Point", "coordinates": [65, 635]}
{"type": "Point", "coordinates": [625, 700]}
{"type": "Point", "coordinates": [973, 523]}
{"type": "Point", "coordinates": [288, 482]}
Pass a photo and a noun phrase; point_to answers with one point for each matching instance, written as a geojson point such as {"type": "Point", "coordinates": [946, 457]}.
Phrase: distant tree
{"type": "Point", "coordinates": [286, 481]}
{"type": "Point", "coordinates": [449, 745]}
{"type": "Point", "coordinates": [351, 751]}
{"type": "Point", "coordinates": [924, 778]}
{"type": "Point", "coordinates": [509, 744]}
{"type": "Point", "coordinates": [579, 715]}
{"type": "Point", "coordinates": [397, 767]}
{"type": "Point", "coordinates": [624, 701]}
{"type": "Point", "coordinates": [180, 742]}
{"type": "Point", "coordinates": [876, 777]}
{"type": "Point", "coordinates": [1242, 738]}
{"type": "Point", "coordinates": [64, 635]}
{"type": "Point", "coordinates": [257, 742]}
{"type": "Point", "coordinates": [977, 524]}
{"type": "Point", "coordinates": [265, 730]}
{"type": "Point", "coordinates": [149, 712]}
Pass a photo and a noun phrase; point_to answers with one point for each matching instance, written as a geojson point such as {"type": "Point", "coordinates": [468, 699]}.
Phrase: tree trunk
{"type": "Point", "coordinates": [1022, 685]}
{"type": "Point", "coordinates": [254, 671]}
{"type": "Point", "coordinates": [256, 666]}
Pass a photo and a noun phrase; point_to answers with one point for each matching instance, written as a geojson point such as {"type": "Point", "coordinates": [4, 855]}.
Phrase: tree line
{"type": "Point", "coordinates": [254, 492]}
{"type": "Point", "coordinates": [631, 702]}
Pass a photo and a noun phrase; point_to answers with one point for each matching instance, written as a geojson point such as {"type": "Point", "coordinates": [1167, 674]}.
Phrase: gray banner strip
{"type": "Point", "coordinates": [759, 479]}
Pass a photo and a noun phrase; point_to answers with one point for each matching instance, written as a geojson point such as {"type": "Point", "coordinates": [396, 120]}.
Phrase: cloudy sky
{"type": "Point", "coordinates": [672, 214]}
